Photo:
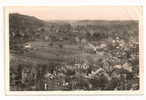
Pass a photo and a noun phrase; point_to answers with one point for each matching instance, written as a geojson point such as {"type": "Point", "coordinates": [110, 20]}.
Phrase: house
{"type": "Point", "coordinates": [28, 75]}
{"type": "Point", "coordinates": [27, 45]}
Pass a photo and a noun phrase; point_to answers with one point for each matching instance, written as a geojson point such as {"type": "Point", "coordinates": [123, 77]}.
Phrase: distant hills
{"type": "Point", "coordinates": [25, 28]}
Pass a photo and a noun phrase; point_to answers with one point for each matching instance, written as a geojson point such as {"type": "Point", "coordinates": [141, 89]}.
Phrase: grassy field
{"type": "Point", "coordinates": [42, 52]}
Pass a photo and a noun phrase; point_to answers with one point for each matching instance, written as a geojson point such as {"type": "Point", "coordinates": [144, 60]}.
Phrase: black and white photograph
{"type": "Point", "coordinates": [74, 48]}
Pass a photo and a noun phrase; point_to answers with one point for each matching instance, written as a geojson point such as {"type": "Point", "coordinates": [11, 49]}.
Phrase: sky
{"type": "Point", "coordinates": [80, 12]}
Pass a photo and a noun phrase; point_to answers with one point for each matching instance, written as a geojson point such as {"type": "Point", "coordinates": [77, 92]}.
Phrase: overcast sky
{"type": "Point", "coordinates": [80, 12]}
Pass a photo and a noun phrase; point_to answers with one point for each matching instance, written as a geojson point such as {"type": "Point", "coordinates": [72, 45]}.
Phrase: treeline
{"type": "Point", "coordinates": [25, 28]}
